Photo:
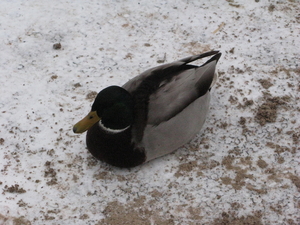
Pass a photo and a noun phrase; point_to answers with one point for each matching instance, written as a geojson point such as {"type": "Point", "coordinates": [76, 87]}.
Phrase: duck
{"type": "Point", "coordinates": [151, 115]}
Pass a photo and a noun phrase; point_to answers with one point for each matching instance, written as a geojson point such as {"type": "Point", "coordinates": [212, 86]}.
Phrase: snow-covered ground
{"type": "Point", "coordinates": [242, 168]}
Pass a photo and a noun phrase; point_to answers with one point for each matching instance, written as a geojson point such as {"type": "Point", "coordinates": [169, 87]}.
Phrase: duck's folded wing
{"type": "Point", "coordinates": [174, 95]}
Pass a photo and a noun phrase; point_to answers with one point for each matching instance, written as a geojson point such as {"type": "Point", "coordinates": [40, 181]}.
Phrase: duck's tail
{"type": "Point", "coordinates": [216, 57]}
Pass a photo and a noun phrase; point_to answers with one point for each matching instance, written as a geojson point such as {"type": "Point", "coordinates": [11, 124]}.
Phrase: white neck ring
{"type": "Point", "coordinates": [109, 130]}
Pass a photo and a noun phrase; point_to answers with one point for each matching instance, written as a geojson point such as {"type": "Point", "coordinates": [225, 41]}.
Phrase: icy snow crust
{"type": "Point", "coordinates": [242, 168]}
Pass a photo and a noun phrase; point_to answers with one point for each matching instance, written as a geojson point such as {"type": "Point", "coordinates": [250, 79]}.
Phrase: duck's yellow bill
{"type": "Point", "coordinates": [86, 123]}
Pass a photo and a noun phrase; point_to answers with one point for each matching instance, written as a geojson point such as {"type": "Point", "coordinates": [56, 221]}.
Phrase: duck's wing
{"type": "Point", "coordinates": [162, 92]}
{"type": "Point", "coordinates": [182, 89]}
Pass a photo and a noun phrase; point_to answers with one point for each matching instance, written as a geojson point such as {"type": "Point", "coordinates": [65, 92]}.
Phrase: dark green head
{"type": "Point", "coordinates": [113, 106]}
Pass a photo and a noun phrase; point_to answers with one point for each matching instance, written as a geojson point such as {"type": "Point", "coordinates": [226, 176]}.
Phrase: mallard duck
{"type": "Point", "coordinates": [152, 114]}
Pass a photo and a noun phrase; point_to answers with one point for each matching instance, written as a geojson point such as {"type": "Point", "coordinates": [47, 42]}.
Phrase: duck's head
{"type": "Point", "coordinates": [112, 110]}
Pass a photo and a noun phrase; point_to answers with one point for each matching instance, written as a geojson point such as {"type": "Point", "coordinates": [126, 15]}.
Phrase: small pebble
{"type": "Point", "coordinates": [57, 46]}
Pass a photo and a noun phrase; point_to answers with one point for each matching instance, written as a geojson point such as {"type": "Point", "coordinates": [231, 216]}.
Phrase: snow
{"type": "Point", "coordinates": [240, 169]}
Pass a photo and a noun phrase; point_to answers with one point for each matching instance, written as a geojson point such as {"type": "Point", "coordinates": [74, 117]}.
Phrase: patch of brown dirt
{"type": "Point", "coordinates": [14, 220]}
{"type": "Point", "coordinates": [296, 180]}
{"type": "Point", "coordinates": [131, 213]}
{"type": "Point", "coordinates": [231, 219]}
{"type": "Point", "coordinates": [91, 95]}
{"type": "Point", "coordinates": [265, 83]}
{"type": "Point", "coordinates": [267, 112]}
{"type": "Point", "coordinates": [14, 189]}
{"type": "Point", "coordinates": [262, 163]}
{"type": "Point", "coordinates": [50, 173]}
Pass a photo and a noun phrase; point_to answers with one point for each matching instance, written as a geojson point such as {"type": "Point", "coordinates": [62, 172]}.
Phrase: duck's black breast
{"type": "Point", "coordinates": [114, 149]}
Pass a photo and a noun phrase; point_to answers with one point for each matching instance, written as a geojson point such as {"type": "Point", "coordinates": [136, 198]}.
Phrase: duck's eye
{"type": "Point", "coordinates": [91, 117]}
